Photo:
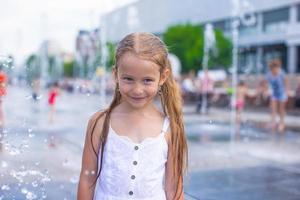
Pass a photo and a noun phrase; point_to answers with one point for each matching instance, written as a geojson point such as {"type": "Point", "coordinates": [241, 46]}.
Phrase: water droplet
{"type": "Point", "coordinates": [29, 130]}
{"type": "Point", "coordinates": [74, 179]}
{"type": "Point", "coordinates": [34, 183]}
{"type": "Point", "coordinates": [14, 151]}
{"type": "Point", "coordinates": [23, 146]}
{"type": "Point", "coordinates": [30, 196]}
{"type": "Point", "coordinates": [3, 164]}
{"type": "Point", "coordinates": [45, 179]}
{"type": "Point", "coordinates": [24, 190]}
{"type": "Point", "coordinates": [5, 60]}
{"type": "Point", "coordinates": [93, 172]}
{"type": "Point", "coordinates": [5, 187]}
{"type": "Point", "coordinates": [44, 195]}
{"type": "Point", "coordinates": [31, 135]}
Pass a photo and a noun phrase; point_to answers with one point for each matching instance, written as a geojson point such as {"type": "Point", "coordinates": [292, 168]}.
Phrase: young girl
{"type": "Point", "coordinates": [132, 150]}
{"type": "Point", "coordinates": [279, 86]}
{"type": "Point", "coordinates": [53, 93]}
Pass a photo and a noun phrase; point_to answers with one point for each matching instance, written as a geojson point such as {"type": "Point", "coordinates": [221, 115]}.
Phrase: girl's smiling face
{"type": "Point", "coordinates": [138, 80]}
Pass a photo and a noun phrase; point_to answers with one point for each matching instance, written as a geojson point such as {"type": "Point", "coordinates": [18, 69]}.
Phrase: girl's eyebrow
{"type": "Point", "coordinates": [145, 77]}
{"type": "Point", "coordinates": [126, 75]}
{"type": "Point", "coordinates": [149, 77]}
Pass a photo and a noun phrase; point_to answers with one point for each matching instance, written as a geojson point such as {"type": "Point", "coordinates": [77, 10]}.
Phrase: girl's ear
{"type": "Point", "coordinates": [164, 76]}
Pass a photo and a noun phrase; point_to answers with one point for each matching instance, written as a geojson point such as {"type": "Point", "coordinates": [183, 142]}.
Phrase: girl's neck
{"type": "Point", "coordinates": [124, 108]}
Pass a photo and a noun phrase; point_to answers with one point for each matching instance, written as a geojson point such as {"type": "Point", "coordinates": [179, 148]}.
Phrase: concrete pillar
{"type": "Point", "coordinates": [292, 58]}
{"type": "Point", "coordinates": [293, 14]}
{"type": "Point", "coordinates": [259, 19]}
{"type": "Point", "coordinates": [259, 54]}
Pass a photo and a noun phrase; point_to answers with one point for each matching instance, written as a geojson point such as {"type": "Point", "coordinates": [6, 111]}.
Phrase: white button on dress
{"type": "Point", "coordinates": [133, 170]}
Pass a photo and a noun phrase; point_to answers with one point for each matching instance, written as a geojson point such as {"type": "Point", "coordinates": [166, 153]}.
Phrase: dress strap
{"type": "Point", "coordinates": [165, 125]}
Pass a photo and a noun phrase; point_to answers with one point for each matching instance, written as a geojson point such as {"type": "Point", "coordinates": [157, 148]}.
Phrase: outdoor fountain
{"type": "Point", "coordinates": [241, 14]}
{"type": "Point", "coordinates": [104, 55]}
{"type": "Point", "coordinates": [209, 43]}
{"type": "Point", "coordinates": [5, 61]}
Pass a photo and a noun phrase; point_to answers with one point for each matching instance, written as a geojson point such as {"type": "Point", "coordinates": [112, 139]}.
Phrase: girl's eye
{"type": "Point", "coordinates": [127, 79]}
{"type": "Point", "coordinates": [148, 81]}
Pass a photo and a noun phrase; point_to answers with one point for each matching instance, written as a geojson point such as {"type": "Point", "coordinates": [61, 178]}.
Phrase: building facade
{"type": "Point", "coordinates": [87, 53]}
{"type": "Point", "coordinates": [275, 33]}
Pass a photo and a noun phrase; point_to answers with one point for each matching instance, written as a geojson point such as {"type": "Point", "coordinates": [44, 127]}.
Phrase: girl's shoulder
{"type": "Point", "coordinates": [96, 121]}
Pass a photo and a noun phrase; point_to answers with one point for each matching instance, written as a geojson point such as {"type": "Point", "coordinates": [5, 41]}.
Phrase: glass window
{"type": "Point", "coordinates": [224, 25]}
{"type": "Point", "coordinates": [298, 12]}
{"type": "Point", "coordinates": [276, 20]}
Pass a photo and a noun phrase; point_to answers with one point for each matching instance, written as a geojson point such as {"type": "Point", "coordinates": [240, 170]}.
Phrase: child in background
{"type": "Point", "coordinates": [3, 81]}
{"type": "Point", "coordinates": [53, 93]}
{"type": "Point", "coordinates": [241, 94]}
{"type": "Point", "coordinates": [297, 96]}
{"type": "Point", "coordinates": [132, 149]}
{"type": "Point", "coordinates": [206, 93]}
{"type": "Point", "coordinates": [279, 87]}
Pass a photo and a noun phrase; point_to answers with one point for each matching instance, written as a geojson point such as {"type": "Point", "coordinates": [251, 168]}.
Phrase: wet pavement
{"type": "Point", "coordinates": [42, 161]}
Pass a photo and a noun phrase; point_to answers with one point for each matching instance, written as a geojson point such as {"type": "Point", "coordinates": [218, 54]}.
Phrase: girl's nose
{"type": "Point", "coordinates": [138, 89]}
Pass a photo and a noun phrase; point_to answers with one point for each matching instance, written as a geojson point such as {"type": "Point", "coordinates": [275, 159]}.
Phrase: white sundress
{"type": "Point", "coordinates": [133, 170]}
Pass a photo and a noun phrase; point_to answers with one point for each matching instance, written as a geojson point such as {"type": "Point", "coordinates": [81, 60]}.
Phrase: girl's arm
{"type": "Point", "coordinates": [170, 186]}
{"type": "Point", "coordinates": [89, 168]}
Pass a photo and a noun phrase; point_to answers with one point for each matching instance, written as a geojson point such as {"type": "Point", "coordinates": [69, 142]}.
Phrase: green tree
{"type": "Point", "coordinates": [111, 47]}
{"type": "Point", "coordinates": [186, 41]}
{"type": "Point", "coordinates": [224, 51]}
{"type": "Point", "coordinates": [68, 68]}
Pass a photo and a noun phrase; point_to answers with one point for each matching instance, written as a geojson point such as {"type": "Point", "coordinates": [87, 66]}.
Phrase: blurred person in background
{"type": "Point", "coordinates": [53, 93]}
{"type": "Point", "coordinates": [297, 96]}
{"type": "Point", "coordinates": [279, 88]}
{"type": "Point", "coordinates": [3, 81]}
{"type": "Point", "coordinates": [188, 86]}
{"type": "Point", "coordinates": [241, 94]}
{"type": "Point", "coordinates": [36, 89]}
{"type": "Point", "coordinates": [205, 93]}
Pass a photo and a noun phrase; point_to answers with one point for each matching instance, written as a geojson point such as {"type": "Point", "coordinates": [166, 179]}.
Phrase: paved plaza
{"type": "Point", "coordinates": [42, 161]}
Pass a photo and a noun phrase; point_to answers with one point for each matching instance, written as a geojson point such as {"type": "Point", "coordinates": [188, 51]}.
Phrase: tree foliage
{"type": "Point", "coordinates": [186, 41]}
{"type": "Point", "coordinates": [111, 47]}
{"type": "Point", "coordinates": [69, 68]}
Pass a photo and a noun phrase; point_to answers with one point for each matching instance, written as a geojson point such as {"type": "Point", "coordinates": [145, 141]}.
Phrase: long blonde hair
{"type": "Point", "coordinates": [149, 47]}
